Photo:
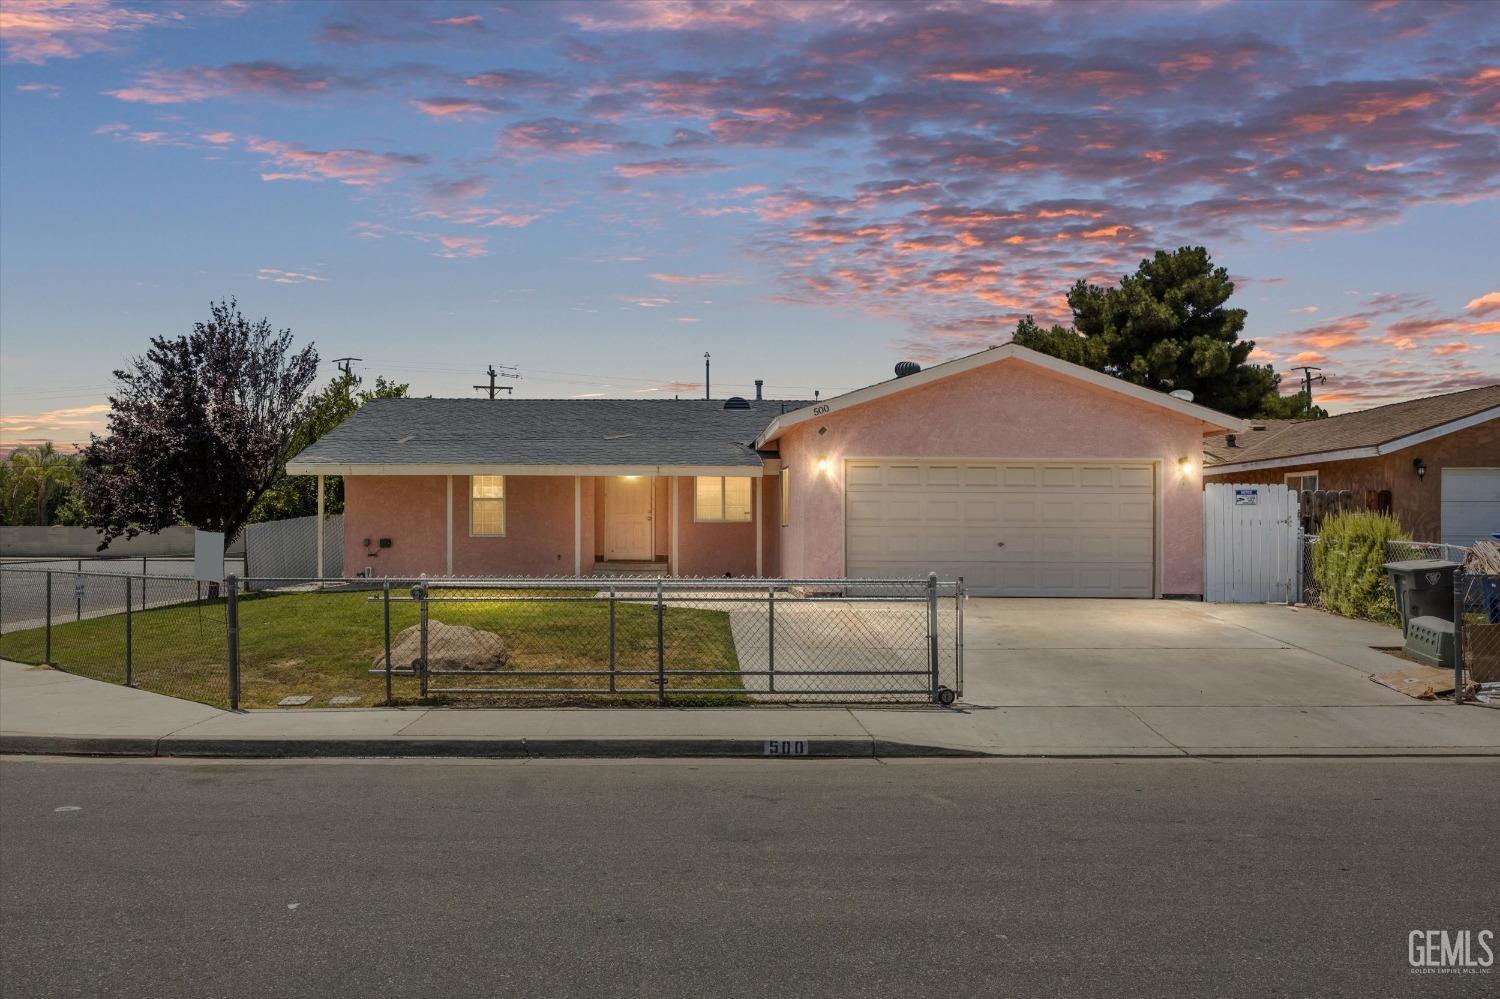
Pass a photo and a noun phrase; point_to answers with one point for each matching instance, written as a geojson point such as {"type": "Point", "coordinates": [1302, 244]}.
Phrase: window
{"type": "Point", "coordinates": [786, 496]}
{"type": "Point", "coordinates": [487, 506]}
{"type": "Point", "coordinates": [721, 499]}
{"type": "Point", "coordinates": [1302, 482]}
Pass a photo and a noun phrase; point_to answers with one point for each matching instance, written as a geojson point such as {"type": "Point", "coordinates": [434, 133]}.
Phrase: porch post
{"type": "Point", "coordinates": [674, 571]}
{"type": "Point", "coordinates": [320, 526]}
{"type": "Point", "coordinates": [449, 534]}
{"type": "Point", "coordinates": [577, 525]}
{"type": "Point", "coordinates": [757, 501]}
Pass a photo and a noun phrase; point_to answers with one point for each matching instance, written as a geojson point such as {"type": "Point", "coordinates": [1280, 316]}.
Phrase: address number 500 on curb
{"type": "Point", "coordinates": [786, 747]}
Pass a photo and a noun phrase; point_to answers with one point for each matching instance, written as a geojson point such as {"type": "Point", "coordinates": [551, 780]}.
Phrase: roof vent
{"type": "Point", "coordinates": [1229, 441]}
{"type": "Point", "coordinates": [904, 368]}
{"type": "Point", "coordinates": [1182, 394]}
{"type": "Point", "coordinates": [1257, 426]}
{"type": "Point", "coordinates": [736, 402]}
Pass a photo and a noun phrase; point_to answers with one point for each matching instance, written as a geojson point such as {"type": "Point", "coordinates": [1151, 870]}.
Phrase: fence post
{"type": "Point", "coordinates": [49, 617]}
{"type": "Point", "coordinates": [771, 639]}
{"type": "Point", "coordinates": [958, 636]}
{"type": "Point", "coordinates": [611, 639]}
{"type": "Point", "coordinates": [1460, 590]}
{"type": "Point", "coordinates": [422, 620]}
{"type": "Point", "coordinates": [233, 584]}
{"type": "Point", "coordinates": [932, 633]}
{"type": "Point", "coordinates": [661, 651]}
{"type": "Point", "coordinates": [128, 673]}
{"type": "Point", "coordinates": [386, 606]}
{"type": "Point", "coordinates": [143, 582]}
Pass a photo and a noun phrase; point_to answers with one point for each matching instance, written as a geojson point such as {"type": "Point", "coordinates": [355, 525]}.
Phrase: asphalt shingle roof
{"type": "Point", "coordinates": [1289, 439]}
{"type": "Point", "coordinates": [548, 432]}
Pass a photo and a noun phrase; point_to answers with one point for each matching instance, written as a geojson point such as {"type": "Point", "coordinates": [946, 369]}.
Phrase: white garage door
{"type": "Point", "coordinates": [1471, 504]}
{"type": "Point", "coordinates": [1043, 529]}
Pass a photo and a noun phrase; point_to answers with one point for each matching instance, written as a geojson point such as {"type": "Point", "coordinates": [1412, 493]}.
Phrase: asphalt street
{"type": "Point", "coordinates": [741, 878]}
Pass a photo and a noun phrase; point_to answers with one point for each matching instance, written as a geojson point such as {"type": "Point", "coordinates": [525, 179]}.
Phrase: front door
{"type": "Point", "coordinates": [627, 517]}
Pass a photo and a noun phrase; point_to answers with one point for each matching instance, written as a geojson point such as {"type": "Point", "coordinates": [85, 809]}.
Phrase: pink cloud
{"type": "Point", "coordinates": [260, 78]}
{"type": "Point", "coordinates": [459, 107]}
{"type": "Point", "coordinates": [693, 279]}
{"type": "Point", "coordinates": [673, 167]}
{"type": "Point", "coordinates": [559, 137]}
{"type": "Point", "coordinates": [356, 167]}
{"type": "Point", "coordinates": [1485, 304]}
{"type": "Point", "coordinates": [45, 89]}
{"type": "Point", "coordinates": [66, 29]}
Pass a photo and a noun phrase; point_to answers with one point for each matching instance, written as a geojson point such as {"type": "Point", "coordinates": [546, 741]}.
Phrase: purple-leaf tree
{"type": "Point", "coordinates": [199, 428]}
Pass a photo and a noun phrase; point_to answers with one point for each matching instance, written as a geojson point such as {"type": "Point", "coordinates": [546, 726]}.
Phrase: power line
{"type": "Point", "coordinates": [509, 371]}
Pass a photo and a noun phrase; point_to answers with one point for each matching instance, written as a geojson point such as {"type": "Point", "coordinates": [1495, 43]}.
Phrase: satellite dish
{"type": "Point", "coordinates": [1182, 394]}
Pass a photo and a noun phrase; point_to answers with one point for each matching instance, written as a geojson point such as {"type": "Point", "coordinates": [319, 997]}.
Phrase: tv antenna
{"type": "Point", "coordinates": [506, 371]}
{"type": "Point", "coordinates": [1309, 379]}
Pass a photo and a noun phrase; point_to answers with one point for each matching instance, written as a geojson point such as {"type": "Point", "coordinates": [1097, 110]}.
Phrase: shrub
{"type": "Point", "coordinates": [1348, 562]}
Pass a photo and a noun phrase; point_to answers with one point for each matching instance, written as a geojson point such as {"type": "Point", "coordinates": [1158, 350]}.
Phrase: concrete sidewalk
{"type": "Point", "coordinates": [45, 711]}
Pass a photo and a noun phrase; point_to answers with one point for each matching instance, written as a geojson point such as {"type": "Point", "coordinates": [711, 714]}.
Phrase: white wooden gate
{"type": "Point", "coordinates": [1251, 547]}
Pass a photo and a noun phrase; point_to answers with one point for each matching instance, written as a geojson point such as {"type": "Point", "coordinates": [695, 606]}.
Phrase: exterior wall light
{"type": "Point", "coordinates": [825, 466]}
{"type": "Point", "coordinates": [1185, 465]}
{"type": "Point", "coordinates": [1420, 467]}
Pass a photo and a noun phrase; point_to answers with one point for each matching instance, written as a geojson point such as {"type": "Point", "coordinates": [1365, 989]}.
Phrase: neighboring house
{"type": "Point", "coordinates": [1433, 462]}
{"type": "Point", "coordinates": [1022, 473]}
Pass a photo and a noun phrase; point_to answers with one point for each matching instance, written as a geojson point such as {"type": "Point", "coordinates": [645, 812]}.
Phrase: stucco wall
{"type": "Point", "coordinates": [711, 549]}
{"type": "Point", "coordinates": [411, 510]}
{"type": "Point", "coordinates": [1416, 502]}
{"type": "Point", "coordinates": [1005, 410]}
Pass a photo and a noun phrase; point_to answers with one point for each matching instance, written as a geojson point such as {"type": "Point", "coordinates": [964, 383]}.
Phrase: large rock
{"type": "Point", "coordinates": [449, 646]}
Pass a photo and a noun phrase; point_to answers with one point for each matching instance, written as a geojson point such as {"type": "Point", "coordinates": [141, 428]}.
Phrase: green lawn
{"type": "Point", "coordinates": [324, 644]}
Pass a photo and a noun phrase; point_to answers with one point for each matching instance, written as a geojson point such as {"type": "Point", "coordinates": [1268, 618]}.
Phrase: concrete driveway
{"type": "Point", "coordinates": [1166, 652]}
{"type": "Point", "coordinates": [1125, 677]}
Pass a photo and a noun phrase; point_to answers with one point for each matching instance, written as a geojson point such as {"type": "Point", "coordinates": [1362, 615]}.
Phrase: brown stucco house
{"type": "Point", "coordinates": [1433, 462]}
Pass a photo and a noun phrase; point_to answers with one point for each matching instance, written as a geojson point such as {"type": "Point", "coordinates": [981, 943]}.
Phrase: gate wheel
{"type": "Point", "coordinates": [946, 696]}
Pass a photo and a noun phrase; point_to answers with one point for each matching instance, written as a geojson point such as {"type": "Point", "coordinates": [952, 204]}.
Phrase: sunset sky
{"type": "Point", "coordinates": [600, 192]}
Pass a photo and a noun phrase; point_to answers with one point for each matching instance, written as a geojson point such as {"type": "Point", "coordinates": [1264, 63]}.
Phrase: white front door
{"type": "Point", "coordinates": [627, 517]}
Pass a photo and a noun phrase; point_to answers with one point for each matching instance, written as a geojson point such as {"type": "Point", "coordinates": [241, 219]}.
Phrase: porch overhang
{"type": "Point", "coordinates": [404, 468]}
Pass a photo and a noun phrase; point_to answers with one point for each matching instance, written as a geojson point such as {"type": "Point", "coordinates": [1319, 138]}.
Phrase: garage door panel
{"type": "Point", "coordinates": [1067, 530]}
{"type": "Point", "coordinates": [1470, 504]}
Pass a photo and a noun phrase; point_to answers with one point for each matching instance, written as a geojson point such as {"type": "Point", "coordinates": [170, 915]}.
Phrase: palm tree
{"type": "Point", "coordinates": [38, 473]}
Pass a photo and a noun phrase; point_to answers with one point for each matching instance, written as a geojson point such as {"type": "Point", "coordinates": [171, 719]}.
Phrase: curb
{"type": "Point", "coordinates": [682, 747]}
{"type": "Point", "coordinates": [667, 747]}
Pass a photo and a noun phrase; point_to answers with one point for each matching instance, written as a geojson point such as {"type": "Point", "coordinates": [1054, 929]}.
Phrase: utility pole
{"type": "Point", "coordinates": [345, 363]}
{"type": "Point", "coordinates": [506, 371]}
{"type": "Point", "coordinates": [1309, 379]}
{"type": "Point", "coordinates": [705, 376]}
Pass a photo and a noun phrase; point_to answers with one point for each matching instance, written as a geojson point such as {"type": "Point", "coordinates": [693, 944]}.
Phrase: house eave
{"type": "Point", "coordinates": [1353, 454]}
{"type": "Point", "coordinates": [1010, 351]}
{"type": "Point", "coordinates": [310, 467]}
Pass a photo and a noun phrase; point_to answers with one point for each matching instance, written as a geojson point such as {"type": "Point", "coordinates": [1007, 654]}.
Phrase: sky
{"type": "Point", "coordinates": [599, 193]}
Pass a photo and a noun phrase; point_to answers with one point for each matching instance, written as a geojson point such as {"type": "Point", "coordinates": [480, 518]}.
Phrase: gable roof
{"type": "Point", "coordinates": [1364, 434]}
{"type": "Point", "coordinates": [994, 355]}
{"type": "Point", "coordinates": [542, 436]}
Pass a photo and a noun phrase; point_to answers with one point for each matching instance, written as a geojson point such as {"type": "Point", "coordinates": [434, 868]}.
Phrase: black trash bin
{"type": "Point", "coordinates": [1424, 588]}
{"type": "Point", "coordinates": [1424, 598]}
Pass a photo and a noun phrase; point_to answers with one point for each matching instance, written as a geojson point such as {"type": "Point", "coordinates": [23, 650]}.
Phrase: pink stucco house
{"type": "Point", "coordinates": [1024, 474]}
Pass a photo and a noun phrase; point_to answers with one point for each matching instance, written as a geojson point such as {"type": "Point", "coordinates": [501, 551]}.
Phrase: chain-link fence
{"type": "Point", "coordinates": [164, 633]}
{"type": "Point", "coordinates": [1477, 634]}
{"type": "Point", "coordinates": [1311, 587]}
{"type": "Point", "coordinates": [301, 642]}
